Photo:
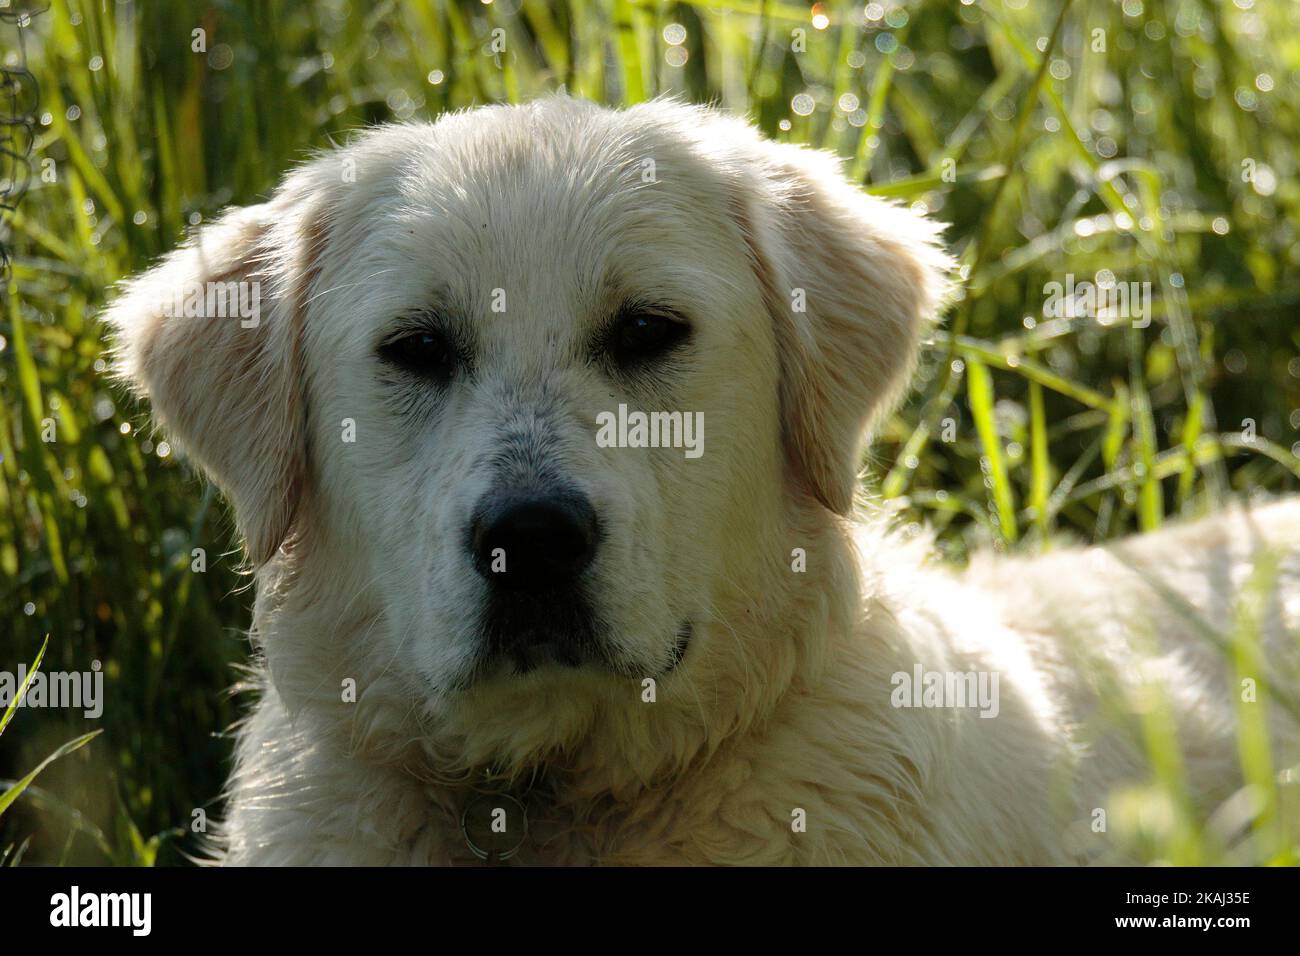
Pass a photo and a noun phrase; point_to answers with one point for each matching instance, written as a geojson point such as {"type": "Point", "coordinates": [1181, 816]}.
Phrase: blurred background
{"type": "Point", "coordinates": [1148, 144]}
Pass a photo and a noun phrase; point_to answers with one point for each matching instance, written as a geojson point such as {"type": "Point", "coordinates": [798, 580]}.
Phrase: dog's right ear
{"type": "Point", "coordinates": [212, 336]}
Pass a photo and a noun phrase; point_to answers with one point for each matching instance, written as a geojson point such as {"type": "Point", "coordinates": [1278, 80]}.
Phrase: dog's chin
{"type": "Point", "coordinates": [517, 709]}
{"type": "Point", "coordinates": [542, 651]}
{"type": "Point", "coordinates": [540, 633]}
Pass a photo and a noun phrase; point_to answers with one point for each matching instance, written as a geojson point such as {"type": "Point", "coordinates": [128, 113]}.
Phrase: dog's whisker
{"type": "Point", "coordinates": [349, 285]}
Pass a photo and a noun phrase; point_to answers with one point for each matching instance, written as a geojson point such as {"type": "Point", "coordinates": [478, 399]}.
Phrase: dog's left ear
{"type": "Point", "coordinates": [850, 281]}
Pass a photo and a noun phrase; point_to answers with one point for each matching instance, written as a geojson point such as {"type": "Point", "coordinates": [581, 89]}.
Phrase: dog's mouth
{"type": "Point", "coordinates": [525, 632]}
{"type": "Point", "coordinates": [522, 637]}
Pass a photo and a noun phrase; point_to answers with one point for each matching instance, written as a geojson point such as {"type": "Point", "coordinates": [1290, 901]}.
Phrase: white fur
{"type": "Point", "coordinates": [783, 701]}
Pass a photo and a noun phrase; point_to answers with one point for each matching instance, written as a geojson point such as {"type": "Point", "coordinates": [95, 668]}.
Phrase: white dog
{"type": "Point", "coordinates": [543, 438]}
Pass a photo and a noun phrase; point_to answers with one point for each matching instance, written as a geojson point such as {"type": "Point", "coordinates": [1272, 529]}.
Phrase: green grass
{"type": "Point", "coordinates": [11, 792]}
{"type": "Point", "coordinates": [1045, 156]}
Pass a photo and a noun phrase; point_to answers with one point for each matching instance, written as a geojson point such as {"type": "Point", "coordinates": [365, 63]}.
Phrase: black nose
{"type": "Point", "coordinates": [533, 542]}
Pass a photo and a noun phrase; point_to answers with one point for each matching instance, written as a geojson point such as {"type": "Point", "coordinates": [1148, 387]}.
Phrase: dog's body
{"type": "Point", "coordinates": [879, 784]}
{"type": "Point", "coordinates": [701, 661]}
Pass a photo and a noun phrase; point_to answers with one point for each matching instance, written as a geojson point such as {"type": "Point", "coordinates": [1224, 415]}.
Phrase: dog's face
{"type": "Point", "coordinates": [520, 283]}
{"type": "Point", "coordinates": [467, 334]}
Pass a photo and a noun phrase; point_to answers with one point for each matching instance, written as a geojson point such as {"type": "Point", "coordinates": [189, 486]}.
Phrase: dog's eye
{"type": "Point", "coordinates": [639, 336]}
{"type": "Point", "coordinates": [425, 353]}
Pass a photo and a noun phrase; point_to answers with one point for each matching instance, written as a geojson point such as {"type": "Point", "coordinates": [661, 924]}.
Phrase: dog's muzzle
{"type": "Point", "coordinates": [532, 548]}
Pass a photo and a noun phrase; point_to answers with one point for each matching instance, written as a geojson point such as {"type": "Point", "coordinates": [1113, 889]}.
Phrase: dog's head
{"type": "Point", "coordinates": [468, 340]}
